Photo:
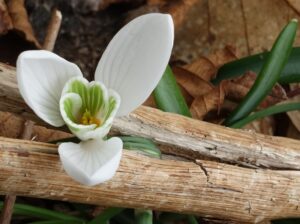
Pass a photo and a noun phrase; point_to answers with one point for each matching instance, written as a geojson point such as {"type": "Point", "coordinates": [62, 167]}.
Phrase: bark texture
{"type": "Point", "coordinates": [205, 188]}
{"type": "Point", "coordinates": [248, 194]}
{"type": "Point", "coordinates": [179, 135]}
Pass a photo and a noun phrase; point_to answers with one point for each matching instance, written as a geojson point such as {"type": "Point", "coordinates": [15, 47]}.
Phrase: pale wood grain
{"type": "Point", "coordinates": [204, 188]}
{"type": "Point", "coordinates": [183, 136]}
{"type": "Point", "coordinates": [9, 201]}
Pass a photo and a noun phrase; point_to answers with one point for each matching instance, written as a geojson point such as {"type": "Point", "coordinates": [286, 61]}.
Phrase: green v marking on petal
{"type": "Point", "coordinates": [92, 96]}
{"type": "Point", "coordinates": [111, 105]}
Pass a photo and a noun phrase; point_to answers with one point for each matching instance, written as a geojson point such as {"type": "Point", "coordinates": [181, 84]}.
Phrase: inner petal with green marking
{"type": "Point", "coordinates": [88, 106]}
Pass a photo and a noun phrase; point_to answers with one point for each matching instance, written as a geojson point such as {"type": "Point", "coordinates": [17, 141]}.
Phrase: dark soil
{"type": "Point", "coordinates": [84, 33]}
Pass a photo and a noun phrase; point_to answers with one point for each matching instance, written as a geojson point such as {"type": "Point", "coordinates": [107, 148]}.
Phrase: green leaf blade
{"type": "Point", "coordinates": [143, 216]}
{"type": "Point", "coordinates": [266, 112]}
{"type": "Point", "coordinates": [290, 73]}
{"type": "Point", "coordinates": [42, 213]}
{"type": "Point", "coordinates": [269, 74]}
{"type": "Point", "coordinates": [168, 96]}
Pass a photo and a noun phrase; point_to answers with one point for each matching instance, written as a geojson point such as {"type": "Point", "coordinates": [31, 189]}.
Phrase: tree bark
{"type": "Point", "coordinates": [205, 188]}
{"type": "Point", "coordinates": [179, 135]}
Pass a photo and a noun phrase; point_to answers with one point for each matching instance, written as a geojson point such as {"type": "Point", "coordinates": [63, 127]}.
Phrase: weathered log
{"type": "Point", "coordinates": [179, 135]}
{"type": "Point", "coordinates": [9, 201]}
{"type": "Point", "coordinates": [205, 188]}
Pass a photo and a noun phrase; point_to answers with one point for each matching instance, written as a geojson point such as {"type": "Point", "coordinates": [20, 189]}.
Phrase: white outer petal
{"type": "Point", "coordinates": [91, 162]}
{"type": "Point", "coordinates": [41, 77]}
{"type": "Point", "coordinates": [136, 58]}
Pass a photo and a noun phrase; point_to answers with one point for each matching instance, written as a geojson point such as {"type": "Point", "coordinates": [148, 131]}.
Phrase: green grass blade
{"type": "Point", "coordinates": [106, 215]}
{"type": "Point", "coordinates": [269, 74]}
{"type": "Point", "coordinates": [143, 216]}
{"type": "Point", "coordinates": [148, 151]}
{"type": "Point", "coordinates": [290, 73]}
{"type": "Point", "coordinates": [191, 219]}
{"type": "Point", "coordinates": [136, 140]}
{"type": "Point", "coordinates": [168, 96]}
{"type": "Point", "coordinates": [266, 112]}
{"type": "Point", "coordinates": [42, 213]}
{"type": "Point", "coordinates": [145, 146]}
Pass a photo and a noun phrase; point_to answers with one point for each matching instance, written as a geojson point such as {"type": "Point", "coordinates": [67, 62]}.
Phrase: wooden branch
{"type": "Point", "coordinates": [52, 30]}
{"type": "Point", "coordinates": [179, 135]}
{"type": "Point", "coordinates": [8, 207]}
{"type": "Point", "coordinates": [10, 199]}
{"type": "Point", "coordinates": [204, 188]}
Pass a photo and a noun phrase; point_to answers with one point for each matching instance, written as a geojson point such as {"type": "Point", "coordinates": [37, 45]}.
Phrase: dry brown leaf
{"type": "Point", "coordinates": [221, 57]}
{"type": "Point", "coordinates": [292, 132]}
{"type": "Point", "coordinates": [194, 85]}
{"type": "Point", "coordinates": [294, 115]}
{"type": "Point", "coordinates": [188, 97]}
{"type": "Point", "coordinates": [265, 126]}
{"type": "Point", "coordinates": [177, 9]}
{"type": "Point", "coordinates": [208, 102]}
{"type": "Point", "coordinates": [203, 68]}
{"type": "Point", "coordinates": [206, 67]}
{"type": "Point", "coordinates": [18, 36]}
{"type": "Point", "coordinates": [150, 102]}
{"type": "Point", "coordinates": [41, 134]}
{"type": "Point", "coordinates": [19, 17]}
{"type": "Point", "coordinates": [236, 89]}
{"type": "Point", "coordinates": [5, 20]}
{"type": "Point", "coordinates": [295, 4]}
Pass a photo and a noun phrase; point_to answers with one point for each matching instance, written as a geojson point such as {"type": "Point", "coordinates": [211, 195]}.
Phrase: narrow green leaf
{"type": "Point", "coordinates": [136, 140]}
{"type": "Point", "coordinates": [191, 219]}
{"type": "Point", "coordinates": [42, 213]}
{"type": "Point", "coordinates": [266, 112]}
{"type": "Point", "coordinates": [290, 73]}
{"type": "Point", "coordinates": [106, 215]}
{"type": "Point", "coordinates": [145, 146]}
{"type": "Point", "coordinates": [143, 216]}
{"type": "Point", "coordinates": [168, 96]}
{"type": "Point", "coordinates": [269, 74]}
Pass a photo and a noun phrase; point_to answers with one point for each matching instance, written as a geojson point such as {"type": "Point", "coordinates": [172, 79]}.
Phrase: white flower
{"type": "Point", "coordinates": [128, 71]}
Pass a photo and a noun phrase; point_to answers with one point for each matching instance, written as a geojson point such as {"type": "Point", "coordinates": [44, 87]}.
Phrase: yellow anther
{"type": "Point", "coordinates": [88, 119]}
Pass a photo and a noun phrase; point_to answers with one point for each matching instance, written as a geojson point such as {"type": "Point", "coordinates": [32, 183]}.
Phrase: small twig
{"type": "Point", "coordinates": [9, 201]}
{"type": "Point", "coordinates": [7, 209]}
{"type": "Point", "coordinates": [52, 30]}
{"type": "Point", "coordinates": [27, 131]}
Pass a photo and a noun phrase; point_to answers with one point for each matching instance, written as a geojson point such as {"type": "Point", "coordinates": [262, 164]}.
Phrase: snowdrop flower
{"type": "Point", "coordinates": [128, 71]}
